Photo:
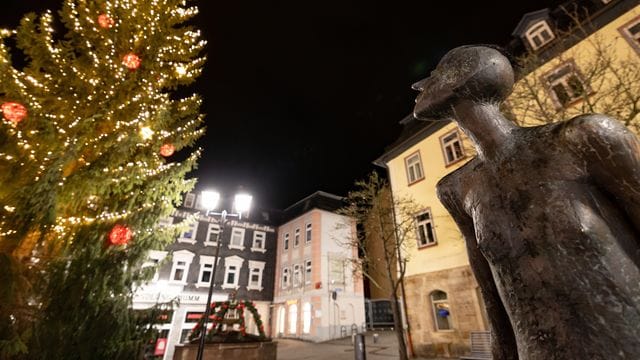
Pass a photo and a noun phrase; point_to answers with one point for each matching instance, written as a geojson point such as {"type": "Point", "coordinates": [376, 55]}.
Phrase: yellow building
{"type": "Point", "coordinates": [574, 72]}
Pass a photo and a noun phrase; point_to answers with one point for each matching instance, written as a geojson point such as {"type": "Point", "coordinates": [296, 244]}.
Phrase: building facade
{"type": "Point", "coordinates": [316, 295]}
{"type": "Point", "coordinates": [442, 297]}
{"type": "Point", "coordinates": [246, 265]}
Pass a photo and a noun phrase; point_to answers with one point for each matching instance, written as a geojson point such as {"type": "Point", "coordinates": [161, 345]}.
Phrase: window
{"type": "Point", "coordinates": [286, 241]}
{"type": "Point", "coordinates": [452, 147]}
{"type": "Point", "coordinates": [189, 236]}
{"type": "Point", "coordinates": [336, 271]}
{"type": "Point", "coordinates": [296, 238]}
{"type": "Point", "coordinates": [441, 310]}
{"type": "Point", "coordinates": [414, 167]}
{"type": "Point", "coordinates": [212, 235]}
{"type": "Point", "coordinates": [206, 269]}
{"type": "Point", "coordinates": [631, 32]}
{"type": "Point", "coordinates": [285, 277]}
{"type": "Point", "coordinates": [307, 238]}
{"type": "Point", "coordinates": [181, 262]}
{"type": "Point", "coordinates": [189, 200]}
{"type": "Point", "coordinates": [307, 272]}
{"type": "Point", "coordinates": [165, 222]}
{"type": "Point", "coordinates": [281, 320]}
{"type": "Point", "coordinates": [297, 275]}
{"type": "Point", "coordinates": [258, 241]}
{"type": "Point", "coordinates": [539, 34]}
{"type": "Point", "coordinates": [232, 265]}
{"type": "Point", "coordinates": [237, 239]}
{"type": "Point", "coordinates": [424, 224]}
{"type": "Point", "coordinates": [255, 275]}
{"type": "Point", "coordinates": [306, 318]}
{"type": "Point", "coordinates": [565, 84]}
{"type": "Point", "coordinates": [154, 259]}
{"type": "Point", "coordinates": [293, 318]}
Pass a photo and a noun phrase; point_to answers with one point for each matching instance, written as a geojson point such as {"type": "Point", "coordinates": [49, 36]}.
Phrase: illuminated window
{"type": "Point", "coordinates": [413, 165]}
{"type": "Point", "coordinates": [306, 318]}
{"type": "Point", "coordinates": [426, 233]}
{"type": "Point", "coordinates": [293, 318]}
{"type": "Point", "coordinates": [539, 34]}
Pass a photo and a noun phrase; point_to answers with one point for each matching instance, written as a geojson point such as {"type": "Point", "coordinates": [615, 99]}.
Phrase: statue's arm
{"type": "Point", "coordinates": [612, 154]}
{"type": "Point", "coordinates": [503, 339]}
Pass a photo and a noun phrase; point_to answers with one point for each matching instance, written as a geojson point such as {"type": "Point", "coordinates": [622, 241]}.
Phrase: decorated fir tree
{"type": "Point", "coordinates": [88, 137]}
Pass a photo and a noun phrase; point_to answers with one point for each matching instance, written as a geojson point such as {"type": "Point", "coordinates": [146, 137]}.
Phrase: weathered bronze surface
{"type": "Point", "coordinates": [550, 216]}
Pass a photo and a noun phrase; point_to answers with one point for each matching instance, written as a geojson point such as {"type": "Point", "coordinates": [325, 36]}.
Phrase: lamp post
{"type": "Point", "coordinates": [210, 199]}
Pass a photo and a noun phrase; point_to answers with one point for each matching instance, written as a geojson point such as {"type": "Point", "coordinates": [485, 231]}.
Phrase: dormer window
{"type": "Point", "coordinates": [539, 34]}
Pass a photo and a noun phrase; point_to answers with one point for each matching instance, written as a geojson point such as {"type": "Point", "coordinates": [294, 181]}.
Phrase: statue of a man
{"type": "Point", "coordinates": [550, 215]}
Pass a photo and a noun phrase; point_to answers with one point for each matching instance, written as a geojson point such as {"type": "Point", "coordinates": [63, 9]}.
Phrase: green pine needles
{"type": "Point", "coordinates": [89, 126]}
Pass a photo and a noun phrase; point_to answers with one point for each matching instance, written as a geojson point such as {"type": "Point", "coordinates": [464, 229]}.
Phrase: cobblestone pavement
{"type": "Point", "coordinates": [342, 349]}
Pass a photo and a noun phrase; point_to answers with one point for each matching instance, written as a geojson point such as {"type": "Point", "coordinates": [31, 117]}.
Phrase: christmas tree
{"type": "Point", "coordinates": [90, 124]}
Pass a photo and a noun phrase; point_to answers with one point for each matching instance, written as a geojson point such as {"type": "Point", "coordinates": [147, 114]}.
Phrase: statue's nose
{"type": "Point", "coordinates": [420, 85]}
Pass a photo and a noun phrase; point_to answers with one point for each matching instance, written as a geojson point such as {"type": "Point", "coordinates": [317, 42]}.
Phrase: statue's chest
{"type": "Point", "coordinates": [511, 202]}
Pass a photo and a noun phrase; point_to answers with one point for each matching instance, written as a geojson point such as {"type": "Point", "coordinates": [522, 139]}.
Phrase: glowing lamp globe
{"type": "Point", "coordinates": [14, 112]}
{"type": "Point", "coordinates": [105, 21]}
{"type": "Point", "coordinates": [120, 235]}
{"type": "Point", "coordinates": [167, 150]}
{"type": "Point", "coordinates": [242, 203]}
{"type": "Point", "coordinates": [131, 61]}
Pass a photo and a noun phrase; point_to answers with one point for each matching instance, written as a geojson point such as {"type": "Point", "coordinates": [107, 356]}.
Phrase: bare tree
{"type": "Point", "coordinates": [385, 225]}
{"type": "Point", "coordinates": [601, 75]}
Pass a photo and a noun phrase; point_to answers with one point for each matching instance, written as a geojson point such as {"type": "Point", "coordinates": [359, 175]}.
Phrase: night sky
{"type": "Point", "coordinates": [302, 96]}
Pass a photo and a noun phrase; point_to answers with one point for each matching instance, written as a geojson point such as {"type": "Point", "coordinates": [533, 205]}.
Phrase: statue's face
{"type": "Point", "coordinates": [470, 72]}
{"type": "Point", "coordinates": [438, 91]}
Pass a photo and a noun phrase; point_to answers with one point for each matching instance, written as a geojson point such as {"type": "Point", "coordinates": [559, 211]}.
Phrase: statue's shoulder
{"type": "Point", "coordinates": [452, 186]}
{"type": "Point", "coordinates": [583, 129]}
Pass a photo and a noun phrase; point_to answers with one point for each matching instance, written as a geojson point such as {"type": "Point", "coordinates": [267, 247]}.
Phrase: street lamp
{"type": "Point", "coordinates": [210, 199]}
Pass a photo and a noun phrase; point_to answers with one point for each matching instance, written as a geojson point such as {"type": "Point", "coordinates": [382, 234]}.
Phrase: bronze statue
{"type": "Point", "coordinates": [550, 215]}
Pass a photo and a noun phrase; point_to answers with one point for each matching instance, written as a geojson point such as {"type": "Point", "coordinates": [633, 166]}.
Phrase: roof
{"type": "Point", "coordinates": [318, 200]}
{"type": "Point", "coordinates": [528, 19]}
{"type": "Point", "coordinates": [413, 132]}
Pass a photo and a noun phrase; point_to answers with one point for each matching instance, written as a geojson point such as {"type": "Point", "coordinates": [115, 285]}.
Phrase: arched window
{"type": "Point", "coordinates": [293, 318]}
{"type": "Point", "coordinates": [306, 318]}
{"type": "Point", "coordinates": [281, 320]}
{"type": "Point", "coordinates": [441, 311]}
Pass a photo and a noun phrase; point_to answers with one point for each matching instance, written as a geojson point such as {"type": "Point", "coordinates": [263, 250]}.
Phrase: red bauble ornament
{"type": "Point", "coordinates": [14, 112]}
{"type": "Point", "coordinates": [120, 235]}
{"type": "Point", "coordinates": [131, 61]}
{"type": "Point", "coordinates": [105, 21]}
{"type": "Point", "coordinates": [167, 150]}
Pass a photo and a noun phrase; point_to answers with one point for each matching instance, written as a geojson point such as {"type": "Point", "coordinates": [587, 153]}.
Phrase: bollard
{"type": "Point", "coordinates": [375, 338]}
{"type": "Point", "coordinates": [359, 348]}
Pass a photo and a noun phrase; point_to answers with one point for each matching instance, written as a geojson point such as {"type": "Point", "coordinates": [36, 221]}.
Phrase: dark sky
{"type": "Point", "coordinates": [302, 96]}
